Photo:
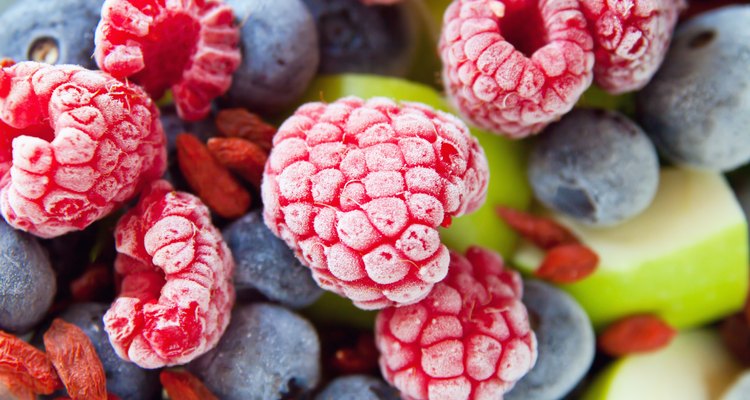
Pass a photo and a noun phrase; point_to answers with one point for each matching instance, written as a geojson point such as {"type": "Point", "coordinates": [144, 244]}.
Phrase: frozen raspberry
{"type": "Point", "coordinates": [514, 66]}
{"type": "Point", "coordinates": [358, 189]}
{"type": "Point", "coordinates": [631, 39]}
{"type": "Point", "coordinates": [190, 46]}
{"type": "Point", "coordinates": [74, 145]}
{"type": "Point", "coordinates": [177, 290]}
{"type": "Point", "coordinates": [469, 339]}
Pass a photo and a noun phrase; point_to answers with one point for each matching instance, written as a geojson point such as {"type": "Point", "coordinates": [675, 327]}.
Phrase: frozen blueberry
{"type": "Point", "coordinates": [51, 31]}
{"type": "Point", "coordinates": [265, 264]}
{"type": "Point", "coordinates": [596, 166]}
{"type": "Point", "coordinates": [367, 39]}
{"type": "Point", "coordinates": [125, 379]}
{"type": "Point", "coordinates": [27, 281]}
{"type": "Point", "coordinates": [267, 352]}
{"type": "Point", "coordinates": [174, 125]}
{"type": "Point", "coordinates": [279, 54]}
{"type": "Point", "coordinates": [566, 344]}
{"type": "Point", "coordinates": [358, 387]}
{"type": "Point", "coordinates": [696, 107]}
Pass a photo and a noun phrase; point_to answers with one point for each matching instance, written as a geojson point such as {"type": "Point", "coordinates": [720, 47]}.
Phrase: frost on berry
{"type": "Point", "coordinates": [358, 190]}
{"type": "Point", "coordinates": [469, 339]}
{"type": "Point", "coordinates": [631, 39]}
{"type": "Point", "coordinates": [74, 145]}
{"type": "Point", "coordinates": [189, 46]}
{"type": "Point", "coordinates": [177, 288]}
{"type": "Point", "coordinates": [512, 66]}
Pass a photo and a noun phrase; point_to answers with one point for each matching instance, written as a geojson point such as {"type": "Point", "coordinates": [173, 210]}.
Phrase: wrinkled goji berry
{"type": "Point", "coordinates": [543, 232]}
{"type": "Point", "coordinates": [24, 368]}
{"type": "Point", "coordinates": [182, 385]}
{"type": "Point", "coordinates": [636, 334]}
{"type": "Point", "coordinates": [241, 156]}
{"type": "Point", "coordinates": [240, 123]}
{"type": "Point", "coordinates": [567, 263]}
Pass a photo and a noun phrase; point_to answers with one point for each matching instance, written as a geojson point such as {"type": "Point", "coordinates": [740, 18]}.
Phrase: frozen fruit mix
{"type": "Point", "coordinates": [356, 190]}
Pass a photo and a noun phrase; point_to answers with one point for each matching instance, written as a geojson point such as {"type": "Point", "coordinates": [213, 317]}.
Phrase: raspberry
{"type": "Point", "coordinates": [191, 47]}
{"type": "Point", "coordinates": [469, 339]}
{"type": "Point", "coordinates": [631, 39]}
{"type": "Point", "coordinates": [514, 66]}
{"type": "Point", "coordinates": [177, 291]}
{"type": "Point", "coordinates": [74, 145]}
{"type": "Point", "coordinates": [357, 189]}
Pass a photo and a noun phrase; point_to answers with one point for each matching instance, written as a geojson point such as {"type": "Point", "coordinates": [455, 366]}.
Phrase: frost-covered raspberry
{"type": "Point", "coordinates": [74, 145]}
{"type": "Point", "coordinates": [469, 339]}
{"type": "Point", "coordinates": [191, 47]}
{"type": "Point", "coordinates": [514, 66]}
{"type": "Point", "coordinates": [631, 39]}
{"type": "Point", "coordinates": [177, 291]}
{"type": "Point", "coordinates": [358, 190]}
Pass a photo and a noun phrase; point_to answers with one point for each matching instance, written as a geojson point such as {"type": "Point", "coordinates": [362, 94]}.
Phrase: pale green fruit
{"type": "Point", "coordinates": [685, 258]}
{"type": "Point", "coordinates": [695, 366]}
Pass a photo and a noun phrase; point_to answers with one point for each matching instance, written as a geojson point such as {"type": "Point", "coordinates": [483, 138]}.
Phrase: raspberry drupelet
{"type": "Point", "coordinates": [514, 66]}
{"type": "Point", "coordinates": [358, 189]}
{"type": "Point", "coordinates": [189, 46]}
{"type": "Point", "coordinates": [177, 290]}
{"type": "Point", "coordinates": [74, 145]}
{"type": "Point", "coordinates": [470, 339]}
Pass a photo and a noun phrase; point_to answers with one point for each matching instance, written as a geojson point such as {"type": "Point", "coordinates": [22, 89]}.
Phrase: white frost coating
{"type": "Point", "coordinates": [355, 230]}
{"type": "Point", "coordinates": [406, 323]}
{"type": "Point", "coordinates": [298, 217]}
{"type": "Point", "coordinates": [326, 185]}
{"type": "Point", "coordinates": [419, 242]}
{"type": "Point", "coordinates": [449, 389]}
{"type": "Point", "coordinates": [444, 360]}
{"type": "Point", "coordinates": [515, 362]}
{"type": "Point", "coordinates": [344, 263]}
{"type": "Point", "coordinates": [384, 157]}
{"type": "Point", "coordinates": [383, 184]}
{"type": "Point", "coordinates": [441, 328]}
{"type": "Point", "coordinates": [389, 215]}
{"type": "Point", "coordinates": [384, 265]}
{"type": "Point", "coordinates": [426, 209]}
{"type": "Point", "coordinates": [294, 182]}
{"type": "Point", "coordinates": [483, 353]}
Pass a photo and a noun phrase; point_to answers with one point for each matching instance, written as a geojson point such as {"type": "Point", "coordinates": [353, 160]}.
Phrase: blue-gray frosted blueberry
{"type": "Point", "coordinates": [697, 107]}
{"type": "Point", "coordinates": [358, 387]}
{"type": "Point", "coordinates": [595, 166]}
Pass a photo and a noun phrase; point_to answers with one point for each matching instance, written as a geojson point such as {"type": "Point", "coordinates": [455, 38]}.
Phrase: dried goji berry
{"type": "Point", "coordinates": [636, 334]}
{"type": "Point", "coordinates": [241, 156]}
{"type": "Point", "coordinates": [541, 231]}
{"type": "Point", "coordinates": [26, 367]}
{"type": "Point", "coordinates": [182, 385]}
{"type": "Point", "coordinates": [240, 123]}
{"type": "Point", "coordinates": [211, 181]}
{"type": "Point", "coordinates": [94, 284]}
{"type": "Point", "coordinates": [567, 263]}
{"type": "Point", "coordinates": [6, 62]}
{"type": "Point", "coordinates": [76, 361]}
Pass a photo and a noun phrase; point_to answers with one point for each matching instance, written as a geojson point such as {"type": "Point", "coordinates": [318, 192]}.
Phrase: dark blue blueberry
{"type": "Point", "coordinates": [266, 265]}
{"type": "Point", "coordinates": [697, 107]}
{"type": "Point", "coordinates": [358, 387]}
{"type": "Point", "coordinates": [52, 31]}
{"type": "Point", "coordinates": [596, 166]}
{"type": "Point", "coordinates": [267, 352]}
{"type": "Point", "coordinates": [125, 379]}
{"type": "Point", "coordinates": [366, 39]}
{"type": "Point", "coordinates": [279, 54]}
{"type": "Point", "coordinates": [27, 281]}
{"type": "Point", "coordinates": [566, 344]}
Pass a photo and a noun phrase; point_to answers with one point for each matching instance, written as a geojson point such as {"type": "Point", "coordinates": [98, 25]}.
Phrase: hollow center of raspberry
{"type": "Point", "coordinates": [524, 28]}
{"type": "Point", "coordinates": [168, 51]}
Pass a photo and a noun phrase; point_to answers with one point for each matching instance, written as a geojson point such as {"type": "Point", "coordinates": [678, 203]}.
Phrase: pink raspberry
{"type": "Point", "coordinates": [358, 190]}
{"type": "Point", "coordinates": [631, 39]}
{"type": "Point", "coordinates": [514, 66]}
{"type": "Point", "coordinates": [190, 46]}
{"type": "Point", "coordinates": [74, 145]}
{"type": "Point", "coordinates": [469, 339]}
{"type": "Point", "coordinates": [177, 291]}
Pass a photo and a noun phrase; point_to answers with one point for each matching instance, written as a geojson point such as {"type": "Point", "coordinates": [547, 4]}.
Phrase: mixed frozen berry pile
{"type": "Point", "coordinates": [374, 199]}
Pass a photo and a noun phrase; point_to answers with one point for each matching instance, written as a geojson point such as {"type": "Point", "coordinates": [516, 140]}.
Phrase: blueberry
{"type": "Point", "coordinates": [267, 352]}
{"type": "Point", "coordinates": [266, 265]}
{"type": "Point", "coordinates": [696, 107]}
{"type": "Point", "coordinates": [566, 344]}
{"type": "Point", "coordinates": [358, 387]}
{"type": "Point", "coordinates": [27, 281]}
{"type": "Point", "coordinates": [52, 31]}
{"type": "Point", "coordinates": [365, 39]}
{"type": "Point", "coordinates": [174, 125]}
{"type": "Point", "coordinates": [596, 166]}
{"type": "Point", "coordinates": [279, 54]}
{"type": "Point", "coordinates": [125, 379]}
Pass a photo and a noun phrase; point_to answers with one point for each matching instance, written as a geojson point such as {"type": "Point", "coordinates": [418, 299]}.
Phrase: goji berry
{"type": "Point", "coordinates": [241, 156]}
{"type": "Point", "coordinates": [240, 123]}
{"type": "Point", "coordinates": [543, 232]}
{"type": "Point", "coordinates": [182, 385]}
{"type": "Point", "coordinates": [26, 367]}
{"type": "Point", "coordinates": [636, 334]}
{"type": "Point", "coordinates": [567, 263]}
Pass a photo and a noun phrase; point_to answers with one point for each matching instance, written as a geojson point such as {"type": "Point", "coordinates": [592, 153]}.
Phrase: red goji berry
{"type": "Point", "coordinates": [182, 385]}
{"type": "Point", "coordinates": [240, 123]}
{"type": "Point", "coordinates": [543, 232]}
{"type": "Point", "coordinates": [567, 263]}
{"type": "Point", "coordinates": [24, 368]}
{"type": "Point", "coordinates": [242, 157]}
{"type": "Point", "coordinates": [636, 334]}
{"type": "Point", "coordinates": [94, 284]}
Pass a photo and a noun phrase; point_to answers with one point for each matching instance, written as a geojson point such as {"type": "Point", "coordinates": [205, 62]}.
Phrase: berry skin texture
{"type": "Point", "coordinates": [177, 290]}
{"type": "Point", "coordinates": [470, 339]}
{"type": "Point", "coordinates": [597, 167]}
{"type": "Point", "coordinates": [512, 67]}
{"type": "Point", "coordinates": [358, 387]}
{"type": "Point", "coordinates": [358, 189]}
{"type": "Point", "coordinates": [188, 46]}
{"type": "Point", "coordinates": [695, 107]}
{"type": "Point", "coordinates": [74, 145]}
{"type": "Point", "coordinates": [631, 39]}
